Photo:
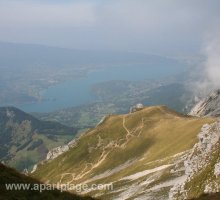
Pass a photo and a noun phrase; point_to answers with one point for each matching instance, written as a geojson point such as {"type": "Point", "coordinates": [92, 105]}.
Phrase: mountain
{"type": "Point", "coordinates": [26, 140]}
{"type": "Point", "coordinates": [29, 54]}
{"type": "Point", "coordinates": [209, 106]}
{"type": "Point", "coordinates": [10, 176]}
{"type": "Point", "coordinates": [153, 153]}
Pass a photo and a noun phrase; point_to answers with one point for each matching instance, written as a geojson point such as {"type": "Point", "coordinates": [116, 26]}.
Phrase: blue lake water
{"type": "Point", "coordinates": [77, 92]}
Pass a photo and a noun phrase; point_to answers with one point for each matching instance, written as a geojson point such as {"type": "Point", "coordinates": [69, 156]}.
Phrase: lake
{"type": "Point", "coordinates": [77, 92]}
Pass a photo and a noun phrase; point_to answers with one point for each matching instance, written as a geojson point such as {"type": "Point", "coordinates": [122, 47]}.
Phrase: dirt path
{"type": "Point", "coordinates": [106, 149]}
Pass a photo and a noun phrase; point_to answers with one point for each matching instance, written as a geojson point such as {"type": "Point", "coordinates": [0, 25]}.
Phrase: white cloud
{"type": "Point", "coordinates": [212, 63]}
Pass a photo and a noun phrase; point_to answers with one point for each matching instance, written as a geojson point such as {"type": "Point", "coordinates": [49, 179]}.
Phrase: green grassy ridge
{"type": "Point", "coordinates": [9, 175]}
{"type": "Point", "coordinates": [164, 134]}
{"type": "Point", "coordinates": [26, 140]}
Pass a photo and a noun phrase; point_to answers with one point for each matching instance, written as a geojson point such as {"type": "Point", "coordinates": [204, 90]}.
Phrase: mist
{"type": "Point", "coordinates": [157, 27]}
{"type": "Point", "coordinates": [205, 77]}
{"type": "Point", "coordinates": [212, 63]}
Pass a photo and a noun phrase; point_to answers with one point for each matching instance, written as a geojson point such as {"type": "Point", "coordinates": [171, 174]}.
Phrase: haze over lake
{"type": "Point", "coordinates": [77, 92]}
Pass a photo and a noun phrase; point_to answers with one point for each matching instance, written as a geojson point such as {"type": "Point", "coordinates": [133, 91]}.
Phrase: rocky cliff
{"type": "Point", "coordinates": [209, 106]}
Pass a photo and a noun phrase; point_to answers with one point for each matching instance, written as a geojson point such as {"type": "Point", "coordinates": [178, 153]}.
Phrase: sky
{"type": "Point", "coordinates": [164, 27]}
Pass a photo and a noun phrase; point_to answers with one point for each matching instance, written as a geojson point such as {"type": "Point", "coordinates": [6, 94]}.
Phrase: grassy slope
{"type": "Point", "coordinates": [157, 133]}
{"type": "Point", "coordinates": [9, 175]}
{"type": "Point", "coordinates": [26, 140]}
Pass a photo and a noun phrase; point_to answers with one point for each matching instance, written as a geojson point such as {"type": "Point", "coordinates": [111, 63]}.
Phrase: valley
{"type": "Point", "coordinates": [53, 78]}
{"type": "Point", "coordinates": [173, 95]}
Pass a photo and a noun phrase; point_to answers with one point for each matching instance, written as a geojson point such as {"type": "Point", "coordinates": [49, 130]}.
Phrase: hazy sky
{"type": "Point", "coordinates": [153, 26]}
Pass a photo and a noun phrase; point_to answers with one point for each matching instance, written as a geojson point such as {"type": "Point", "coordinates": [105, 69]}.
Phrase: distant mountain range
{"type": "Point", "coordinates": [26, 54]}
{"type": "Point", "coordinates": [26, 140]}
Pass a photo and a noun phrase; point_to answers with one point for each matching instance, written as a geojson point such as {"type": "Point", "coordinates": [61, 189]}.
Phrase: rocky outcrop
{"type": "Point", "coordinates": [55, 152]}
{"type": "Point", "coordinates": [202, 166]}
{"type": "Point", "coordinates": [34, 168]}
{"type": "Point", "coordinates": [210, 106]}
{"type": "Point", "coordinates": [60, 150]}
{"type": "Point", "coordinates": [102, 120]}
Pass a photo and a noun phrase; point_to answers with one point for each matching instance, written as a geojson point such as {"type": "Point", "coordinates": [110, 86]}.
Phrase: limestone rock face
{"type": "Point", "coordinates": [55, 152]}
{"type": "Point", "coordinates": [210, 106]}
{"type": "Point", "coordinates": [203, 159]}
{"type": "Point", "coordinates": [59, 150]}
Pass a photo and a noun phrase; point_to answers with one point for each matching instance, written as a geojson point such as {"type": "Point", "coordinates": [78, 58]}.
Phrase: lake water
{"type": "Point", "coordinates": [77, 92]}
